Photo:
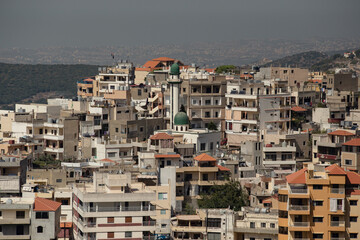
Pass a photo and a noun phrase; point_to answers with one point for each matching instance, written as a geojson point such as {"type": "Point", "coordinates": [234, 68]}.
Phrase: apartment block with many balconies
{"type": "Point", "coordinates": [320, 203]}
{"type": "Point", "coordinates": [113, 207]}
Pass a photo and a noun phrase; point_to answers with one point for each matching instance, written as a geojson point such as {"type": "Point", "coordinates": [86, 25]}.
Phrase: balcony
{"type": "Point", "coordinates": [337, 223]}
{"type": "Point", "coordinates": [338, 190]}
{"type": "Point", "coordinates": [328, 156]}
{"type": "Point", "coordinates": [299, 207]}
{"type": "Point", "coordinates": [335, 120]}
{"type": "Point", "coordinates": [300, 224]}
{"type": "Point", "coordinates": [54, 150]}
{"type": "Point", "coordinates": [298, 190]}
{"type": "Point", "coordinates": [149, 223]}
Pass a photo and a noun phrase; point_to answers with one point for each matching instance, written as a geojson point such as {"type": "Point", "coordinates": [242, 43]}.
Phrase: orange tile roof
{"type": "Point", "coordinates": [65, 224]}
{"type": "Point", "coordinates": [45, 205]}
{"type": "Point", "coordinates": [297, 177]}
{"type": "Point", "coordinates": [151, 64]}
{"type": "Point", "coordinates": [335, 170]}
{"type": "Point", "coordinates": [222, 168]}
{"type": "Point", "coordinates": [167, 156]}
{"type": "Point", "coordinates": [353, 178]}
{"type": "Point", "coordinates": [298, 109]}
{"type": "Point", "coordinates": [353, 142]}
{"type": "Point", "coordinates": [163, 59]}
{"type": "Point", "coordinates": [341, 133]}
{"type": "Point", "coordinates": [161, 136]}
{"type": "Point", "coordinates": [107, 160]}
{"type": "Point", "coordinates": [204, 158]}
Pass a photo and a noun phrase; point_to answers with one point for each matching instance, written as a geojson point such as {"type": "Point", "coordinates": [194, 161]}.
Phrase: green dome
{"type": "Point", "coordinates": [181, 119]}
{"type": "Point", "coordinates": [175, 70]}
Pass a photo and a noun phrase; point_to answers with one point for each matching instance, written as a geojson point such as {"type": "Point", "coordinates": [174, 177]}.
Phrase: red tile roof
{"type": "Point", "coordinates": [204, 158]}
{"type": "Point", "coordinates": [341, 133]}
{"type": "Point", "coordinates": [298, 109]}
{"type": "Point", "coordinates": [353, 192]}
{"type": "Point", "coordinates": [161, 136]}
{"type": "Point", "coordinates": [45, 205]}
{"type": "Point", "coordinates": [297, 177]}
{"type": "Point", "coordinates": [353, 142]}
{"type": "Point", "coordinates": [335, 170]}
{"type": "Point", "coordinates": [167, 156]}
{"type": "Point", "coordinates": [222, 168]}
{"type": "Point", "coordinates": [151, 64]}
{"type": "Point", "coordinates": [352, 178]}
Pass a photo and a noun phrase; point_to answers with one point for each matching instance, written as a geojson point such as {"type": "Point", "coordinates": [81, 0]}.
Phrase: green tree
{"type": "Point", "coordinates": [223, 196]}
{"type": "Point", "coordinates": [212, 126]}
{"type": "Point", "coordinates": [225, 68]}
{"type": "Point", "coordinates": [189, 209]}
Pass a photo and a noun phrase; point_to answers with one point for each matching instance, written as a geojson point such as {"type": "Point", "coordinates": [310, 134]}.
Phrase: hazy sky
{"type": "Point", "coordinates": [34, 24]}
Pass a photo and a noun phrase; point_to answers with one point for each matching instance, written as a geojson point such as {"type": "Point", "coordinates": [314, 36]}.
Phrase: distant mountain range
{"type": "Point", "coordinates": [34, 83]}
{"type": "Point", "coordinates": [208, 54]}
{"type": "Point", "coordinates": [303, 60]}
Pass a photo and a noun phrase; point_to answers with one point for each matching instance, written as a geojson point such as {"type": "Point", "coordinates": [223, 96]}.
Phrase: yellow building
{"type": "Point", "coordinates": [320, 203]}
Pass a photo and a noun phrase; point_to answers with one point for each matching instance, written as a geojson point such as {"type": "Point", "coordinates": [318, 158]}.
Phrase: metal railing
{"type": "Point", "coordinates": [338, 190]}
{"type": "Point", "coordinates": [299, 207]}
{"type": "Point", "coordinates": [118, 209]}
{"type": "Point", "coordinates": [337, 223]}
{"type": "Point", "coordinates": [149, 223]}
{"type": "Point", "coordinates": [298, 190]}
{"type": "Point", "coordinates": [300, 224]}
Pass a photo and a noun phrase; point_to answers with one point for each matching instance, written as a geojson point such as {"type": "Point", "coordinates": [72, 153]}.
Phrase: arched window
{"type": "Point", "coordinates": [181, 128]}
{"type": "Point", "coordinates": [40, 229]}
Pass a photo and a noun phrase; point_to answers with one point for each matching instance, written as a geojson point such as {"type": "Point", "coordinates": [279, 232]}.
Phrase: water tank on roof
{"type": "Point", "coordinates": [283, 144]}
{"type": "Point", "coordinates": [8, 201]}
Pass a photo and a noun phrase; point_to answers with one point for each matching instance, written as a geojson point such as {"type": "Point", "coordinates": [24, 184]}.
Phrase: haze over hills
{"type": "Point", "coordinates": [202, 53]}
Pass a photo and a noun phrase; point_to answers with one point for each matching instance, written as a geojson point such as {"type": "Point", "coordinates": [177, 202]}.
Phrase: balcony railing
{"type": "Point", "coordinates": [118, 209]}
{"type": "Point", "coordinates": [300, 224]}
{"type": "Point", "coordinates": [337, 223]}
{"type": "Point", "coordinates": [338, 190]}
{"type": "Point", "coordinates": [299, 207]}
{"type": "Point", "coordinates": [149, 223]}
{"type": "Point", "coordinates": [298, 190]}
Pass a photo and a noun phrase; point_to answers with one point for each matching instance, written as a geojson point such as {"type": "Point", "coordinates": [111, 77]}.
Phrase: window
{"type": "Point", "coordinates": [40, 229]}
{"type": "Point", "coordinates": [318, 235]}
{"type": "Point", "coordinates": [128, 234]}
{"type": "Point", "coordinates": [59, 180]}
{"type": "Point", "coordinates": [348, 162]}
{"type": "Point", "coordinates": [352, 203]}
{"type": "Point", "coordinates": [214, 222]}
{"type": "Point", "coordinates": [162, 212]}
{"type": "Point", "coordinates": [0, 213]}
{"type": "Point", "coordinates": [272, 225]}
{"type": "Point", "coordinates": [141, 129]}
{"type": "Point", "coordinates": [110, 220]}
{"type": "Point", "coordinates": [139, 92]}
{"type": "Point", "coordinates": [20, 214]}
{"type": "Point", "coordinates": [202, 146]}
{"type": "Point", "coordinates": [263, 225]}
{"type": "Point", "coordinates": [318, 203]}
{"type": "Point", "coordinates": [317, 187]}
{"type": "Point", "coordinates": [75, 147]}
{"type": "Point", "coordinates": [317, 219]}
{"type": "Point", "coordinates": [116, 129]}
{"type": "Point", "coordinates": [105, 116]}
{"type": "Point", "coordinates": [111, 154]}
{"type": "Point", "coordinates": [314, 142]}
{"type": "Point", "coordinates": [110, 234]}
{"type": "Point", "coordinates": [353, 235]}
{"type": "Point", "coordinates": [0, 228]}
{"type": "Point", "coordinates": [42, 215]}
{"type": "Point", "coordinates": [211, 146]}
{"type": "Point", "coordinates": [168, 162]}
{"type": "Point", "coordinates": [128, 219]}
{"type": "Point", "coordinates": [252, 224]}
{"type": "Point", "coordinates": [163, 225]}
{"type": "Point", "coordinates": [162, 196]}
{"type": "Point", "coordinates": [64, 202]}
{"type": "Point", "coordinates": [353, 219]}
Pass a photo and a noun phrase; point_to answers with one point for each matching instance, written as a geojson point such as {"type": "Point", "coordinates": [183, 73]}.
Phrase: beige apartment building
{"type": "Point", "coordinates": [320, 203]}
{"type": "Point", "coordinates": [113, 207]}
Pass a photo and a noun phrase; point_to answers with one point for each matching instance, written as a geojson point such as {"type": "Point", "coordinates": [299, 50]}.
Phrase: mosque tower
{"type": "Point", "coordinates": [175, 84]}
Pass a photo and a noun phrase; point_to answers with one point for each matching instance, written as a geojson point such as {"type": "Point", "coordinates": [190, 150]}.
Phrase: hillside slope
{"type": "Point", "coordinates": [22, 81]}
{"type": "Point", "coordinates": [304, 60]}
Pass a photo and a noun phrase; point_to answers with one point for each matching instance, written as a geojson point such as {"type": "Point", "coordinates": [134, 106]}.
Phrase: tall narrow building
{"type": "Point", "coordinates": [175, 83]}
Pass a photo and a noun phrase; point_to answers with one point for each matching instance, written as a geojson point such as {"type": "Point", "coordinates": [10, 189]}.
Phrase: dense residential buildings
{"type": "Point", "coordinates": [133, 155]}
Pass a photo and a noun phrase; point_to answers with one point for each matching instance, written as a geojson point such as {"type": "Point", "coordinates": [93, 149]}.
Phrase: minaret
{"type": "Point", "coordinates": [175, 82]}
